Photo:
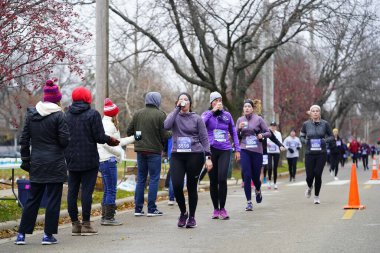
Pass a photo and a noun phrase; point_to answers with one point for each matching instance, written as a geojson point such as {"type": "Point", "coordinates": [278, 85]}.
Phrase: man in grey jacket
{"type": "Point", "coordinates": [148, 124]}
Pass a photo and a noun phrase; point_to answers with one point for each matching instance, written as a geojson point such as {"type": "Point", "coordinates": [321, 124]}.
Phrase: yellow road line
{"type": "Point", "coordinates": [367, 186]}
{"type": "Point", "coordinates": [348, 214]}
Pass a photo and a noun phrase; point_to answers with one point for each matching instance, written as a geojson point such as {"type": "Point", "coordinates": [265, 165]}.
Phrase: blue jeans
{"type": "Point", "coordinates": [147, 163]}
{"type": "Point", "coordinates": [109, 177]}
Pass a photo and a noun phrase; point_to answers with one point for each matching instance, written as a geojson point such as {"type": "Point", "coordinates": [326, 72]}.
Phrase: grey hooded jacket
{"type": "Point", "coordinates": [315, 135]}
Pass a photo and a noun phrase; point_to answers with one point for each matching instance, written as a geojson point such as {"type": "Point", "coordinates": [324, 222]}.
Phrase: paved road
{"type": "Point", "coordinates": [284, 222]}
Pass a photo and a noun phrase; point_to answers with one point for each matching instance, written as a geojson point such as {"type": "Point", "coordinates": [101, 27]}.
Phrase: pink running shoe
{"type": "Point", "coordinates": [215, 214]}
{"type": "Point", "coordinates": [223, 215]}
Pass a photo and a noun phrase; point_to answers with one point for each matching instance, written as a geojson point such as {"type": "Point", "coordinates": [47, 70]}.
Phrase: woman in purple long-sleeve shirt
{"type": "Point", "coordinates": [251, 129]}
{"type": "Point", "coordinates": [219, 124]}
{"type": "Point", "coordinates": [190, 151]}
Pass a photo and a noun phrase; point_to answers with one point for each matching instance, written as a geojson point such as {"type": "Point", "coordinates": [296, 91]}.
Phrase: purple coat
{"type": "Point", "coordinates": [218, 128]}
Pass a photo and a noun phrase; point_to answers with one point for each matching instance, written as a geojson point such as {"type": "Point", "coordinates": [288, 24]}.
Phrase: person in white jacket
{"type": "Point", "coordinates": [108, 158]}
{"type": "Point", "coordinates": [293, 144]}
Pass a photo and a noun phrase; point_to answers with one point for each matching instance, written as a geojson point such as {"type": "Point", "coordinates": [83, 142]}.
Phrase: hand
{"type": "Point", "coordinates": [291, 150]}
{"type": "Point", "coordinates": [25, 165]}
{"type": "Point", "coordinates": [218, 106]}
{"type": "Point", "coordinates": [241, 125]}
{"type": "Point", "coordinates": [208, 165]}
{"type": "Point", "coordinates": [113, 141]}
{"type": "Point", "coordinates": [259, 136]}
{"type": "Point", "coordinates": [282, 148]}
{"type": "Point", "coordinates": [237, 156]}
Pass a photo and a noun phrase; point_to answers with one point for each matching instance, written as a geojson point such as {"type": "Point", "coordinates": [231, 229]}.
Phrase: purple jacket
{"type": "Point", "coordinates": [256, 125]}
{"type": "Point", "coordinates": [218, 128]}
{"type": "Point", "coordinates": [188, 132]}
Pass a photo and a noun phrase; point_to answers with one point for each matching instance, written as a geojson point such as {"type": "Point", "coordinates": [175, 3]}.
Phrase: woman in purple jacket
{"type": "Point", "coordinates": [190, 152]}
{"type": "Point", "coordinates": [219, 124]}
{"type": "Point", "coordinates": [251, 129]}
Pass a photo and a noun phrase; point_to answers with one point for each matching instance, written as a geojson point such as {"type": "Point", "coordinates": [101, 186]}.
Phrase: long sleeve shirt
{"type": "Point", "coordinates": [315, 135]}
{"type": "Point", "coordinates": [293, 143]}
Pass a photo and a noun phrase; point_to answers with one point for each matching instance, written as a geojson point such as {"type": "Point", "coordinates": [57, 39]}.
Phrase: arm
{"type": "Point", "coordinates": [303, 134]}
{"type": "Point", "coordinates": [63, 131]}
{"type": "Point", "coordinates": [203, 136]}
{"type": "Point", "coordinates": [206, 116]}
{"type": "Point", "coordinates": [265, 130]}
{"type": "Point", "coordinates": [274, 139]}
{"type": "Point", "coordinates": [127, 140]}
{"type": "Point", "coordinates": [25, 140]}
{"type": "Point", "coordinates": [165, 135]}
{"type": "Point", "coordinates": [234, 134]}
{"type": "Point", "coordinates": [131, 127]}
{"type": "Point", "coordinates": [170, 119]}
{"type": "Point", "coordinates": [330, 136]}
{"type": "Point", "coordinates": [98, 129]}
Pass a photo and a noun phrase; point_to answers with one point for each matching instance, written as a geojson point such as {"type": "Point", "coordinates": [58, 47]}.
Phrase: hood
{"type": "Point", "coordinates": [78, 107]}
{"type": "Point", "coordinates": [153, 98]}
{"type": "Point", "coordinates": [47, 108]}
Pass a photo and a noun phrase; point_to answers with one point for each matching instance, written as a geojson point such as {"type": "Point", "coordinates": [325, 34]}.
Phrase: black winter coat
{"type": "Point", "coordinates": [86, 130]}
{"type": "Point", "coordinates": [48, 136]}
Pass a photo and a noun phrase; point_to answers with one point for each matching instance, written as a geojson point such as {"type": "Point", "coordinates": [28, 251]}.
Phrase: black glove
{"type": "Point", "coordinates": [298, 148]}
{"type": "Point", "coordinates": [113, 142]}
{"type": "Point", "coordinates": [25, 165]}
{"type": "Point", "coordinates": [291, 150]}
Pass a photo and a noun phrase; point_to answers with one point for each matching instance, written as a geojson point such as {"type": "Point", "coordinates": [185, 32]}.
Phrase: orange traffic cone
{"type": "Point", "coordinates": [374, 170]}
{"type": "Point", "coordinates": [353, 196]}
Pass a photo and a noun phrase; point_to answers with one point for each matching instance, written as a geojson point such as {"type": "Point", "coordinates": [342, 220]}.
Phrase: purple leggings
{"type": "Point", "coordinates": [251, 163]}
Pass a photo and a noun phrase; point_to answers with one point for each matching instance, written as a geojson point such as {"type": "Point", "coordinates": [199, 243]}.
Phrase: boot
{"type": "Point", "coordinates": [87, 229]}
{"type": "Point", "coordinates": [110, 216]}
{"type": "Point", "coordinates": [76, 228]}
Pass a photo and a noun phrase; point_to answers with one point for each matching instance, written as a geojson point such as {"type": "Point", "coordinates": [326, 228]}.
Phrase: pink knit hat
{"type": "Point", "coordinates": [110, 109]}
{"type": "Point", "coordinates": [52, 92]}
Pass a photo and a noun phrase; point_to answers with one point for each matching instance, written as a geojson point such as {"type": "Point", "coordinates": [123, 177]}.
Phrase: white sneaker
{"type": "Point", "coordinates": [308, 193]}
{"type": "Point", "coordinates": [269, 185]}
{"type": "Point", "coordinates": [332, 173]}
{"type": "Point", "coordinates": [317, 200]}
{"type": "Point", "coordinates": [275, 187]}
{"type": "Point", "coordinates": [171, 203]}
{"type": "Point", "coordinates": [336, 178]}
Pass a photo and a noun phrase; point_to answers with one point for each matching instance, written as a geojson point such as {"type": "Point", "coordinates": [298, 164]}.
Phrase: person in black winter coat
{"type": "Point", "coordinates": [46, 131]}
{"type": "Point", "coordinates": [86, 130]}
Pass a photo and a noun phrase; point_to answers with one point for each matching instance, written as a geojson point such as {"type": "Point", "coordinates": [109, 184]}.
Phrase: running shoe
{"type": "Point", "coordinates": [191, 223]}
{"type": "Point", "coordinates": [171, 203]}
{"type": "Point", "coordinates": [182, 220]}
{"type": "Point", "coordinates": [265, 180]}
{"type": "Point", "coordinates": [259, 197]}
{"type": "Point", "coordinates": [336, 178]}
{"type": "Point", "coordinates": [215, 214]}
{"type": "Point", "coordinates": [48, 240]}
{"type": "Point", "coordinates": [223, 215]}
{"type": "Point", "coordinates": [275, 187]}
{"type": "Point", "coordinates": [20, 239]}
{"type": "Point", "coordinates": [317, 200]}
{"type": "Point", "coordinates": [308, 193]}
{"type": "Point", "coordinates": [249, 206]}
{"type": "Point", "coordinates": [155, 213]}
{"type": "Point", "coordinates": [139, 213]}
{"type": "Point", "coordinates": [269, 185]}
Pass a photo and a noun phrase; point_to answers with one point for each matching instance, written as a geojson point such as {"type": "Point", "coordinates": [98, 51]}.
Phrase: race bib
{"type": "Point", "coordinates": [265, 159]}
{"type": "Point", "coordinates": [315, 144]}
{"type": "Point", "coordinates": [251, 141]}
{"type": "Point", "coordinates": [220, 135]}
{"type": "Point", "coordinates": [364, 152]}
{"type": "Point", "coordinates": [338, 143]}
{"type": "Point", "coordinates": [272, 147]}
{"type": "Point", "coordinates": [184, 144]}
{"type": "Point", "coordinates": [293, 144]}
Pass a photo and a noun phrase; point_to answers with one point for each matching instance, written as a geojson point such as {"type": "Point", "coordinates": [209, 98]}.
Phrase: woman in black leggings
{"type": "Point", "coordinates": [315, 133]}
{"type": "Point", "coordinates": [190, 152]}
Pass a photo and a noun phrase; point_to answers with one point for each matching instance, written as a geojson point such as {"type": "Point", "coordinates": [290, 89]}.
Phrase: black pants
{"type": "Point", "coordinates": [334, 165]}
{"type": "Point", "coordinates": [190, 164]}
{"type": "Point", "coordinates": [292, 166]}
{"type": "Point", "coordinates": [365, 162]}
{"type": "Point", "coordinates": [87, 179]}
{"type": "Point", "coordinates": [273, 164]}
{"type": "Point", "coordinates": [314, 168]}
{"type": "Point", "coordinates": [355, 157]}
{"type": "Point", "coordinates": [218, 176]}
{"type": "Point", "coordinates": [30, 211]}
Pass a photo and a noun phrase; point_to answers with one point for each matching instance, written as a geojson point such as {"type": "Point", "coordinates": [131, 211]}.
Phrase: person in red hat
{"type": "Point", "coordinates": [108, 158]}
{"type": "Point", "coordinates": [82, 157]}
{"type": "Point", "coordinates": [46, 130]}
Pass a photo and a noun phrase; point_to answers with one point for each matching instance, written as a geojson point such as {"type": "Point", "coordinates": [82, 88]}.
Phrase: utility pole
{"type": "Point", "coordinates": [101, 75]}
{"type": "Point", "coordinates": [268, 82]}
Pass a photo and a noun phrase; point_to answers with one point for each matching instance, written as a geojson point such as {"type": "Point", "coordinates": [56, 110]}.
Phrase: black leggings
{"type": "Point", "coordinates": [335, 163]}
{"type": "Point", "coordinates": [292, 165]}
{"type": "Point", "coordinates": [314, 168]}
{"type": "Point", "coordinates": [190, 164]}
{"type": "Point", "coordinates": [274, 165]}
{"type": "Point", "coordinates": [218, 176]}
{"type": "Point", "coordinates": [365, 161]}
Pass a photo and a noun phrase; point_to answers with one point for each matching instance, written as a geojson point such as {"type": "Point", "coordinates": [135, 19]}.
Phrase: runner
{"type": "Point", "coordinates": [293, 145]}
{"type": "Point", "coordinates": [336, 152]}
{"type": "Point", "coordinates": [365, 150]}
{"type": "Point", "coordinates": [219, 124]}
{"type": "Point", "coordinates": [251, 129]}
{"type": "Point", "coordinates": [190, 146]}
{"type": "Point", "coordinates": [315, 133]}
{"type": "Point", "coordinates": [273, 155]}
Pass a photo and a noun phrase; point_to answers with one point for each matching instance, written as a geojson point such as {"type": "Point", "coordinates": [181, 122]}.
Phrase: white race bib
{"type": "Point", "coordinates": [315, 144]}
{"type": "Point", "coordinates": [251, 141]}
{"type": "Point", "coordinates": [265, 159]}
{"type": "Point", "coordinates": [184, 144]}
{"type": "Point", "coordinates": [220, 135]}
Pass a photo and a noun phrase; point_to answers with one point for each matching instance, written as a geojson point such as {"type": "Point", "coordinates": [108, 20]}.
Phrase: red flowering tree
{"type": "Point", "coordinates": [35, 36]}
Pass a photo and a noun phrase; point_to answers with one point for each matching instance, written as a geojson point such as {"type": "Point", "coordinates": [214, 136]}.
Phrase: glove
{"type": "Point", "coordinates": [25, 165]}
{"type": "Point", "coordinates": [291, 150]}
{"type": "Point", "coordinates": [113, 142]}
{"type": "Point", "coordinates": [298, 148]}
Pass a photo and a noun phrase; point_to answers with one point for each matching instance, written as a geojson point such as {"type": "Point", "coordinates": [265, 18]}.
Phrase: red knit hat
{"type": "Point", "coordinates": [51, 92]}
{"type": "Point", "coordinates": [110, 109]}
{"type": "Point", "coordinates": [82, 94]}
